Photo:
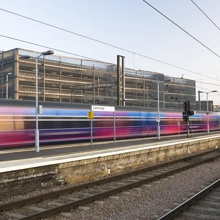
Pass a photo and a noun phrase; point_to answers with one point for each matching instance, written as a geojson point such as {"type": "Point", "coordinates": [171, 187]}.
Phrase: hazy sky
{"type": "Point", "coordinates": [128, 24]}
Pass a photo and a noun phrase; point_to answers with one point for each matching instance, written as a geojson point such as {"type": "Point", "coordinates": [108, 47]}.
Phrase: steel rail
{"type": "Point", "coordinates": [116, 190]}
{"type": "Point", "coordinates": [194, 199]}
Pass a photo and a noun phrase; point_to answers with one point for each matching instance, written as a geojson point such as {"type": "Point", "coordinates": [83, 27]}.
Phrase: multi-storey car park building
{"type": "Point", "coordinates": [66, 79]}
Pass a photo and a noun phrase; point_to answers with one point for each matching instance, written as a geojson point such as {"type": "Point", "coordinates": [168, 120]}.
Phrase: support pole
{"type": "Point", "coordinates": [199, 101]}
{"type": "Point", "coordinates": [158, 111]}
{"type": "Point", "coordinates": [123, 81]}
{"type": "Point", "coordinates": [118, 81]}
{"type": "Point", "coordinates": [2, 73]}
{"type": "Point", "coordinates": [36, 111]}
{"type": "Point", "coordinates": [44, 78]}
{"type": "Point", "coordinates": [207, 113]}
{"type": "Point", "coordinates": [188, 128]}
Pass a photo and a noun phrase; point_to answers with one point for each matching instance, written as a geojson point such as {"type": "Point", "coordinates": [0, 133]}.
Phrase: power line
{"type": "Point", "coordinates": [182, 29]}
{"type": "Point", "coordinates": [205, 14]}
{"type": "Point", "coordinates": [92, 39]}
{"type": "Point", "coordinates": [198, 87]}
{"type": "Point", "coordinates": [39, 45]}
{"type": "Point", "coordinates": [207, 83]}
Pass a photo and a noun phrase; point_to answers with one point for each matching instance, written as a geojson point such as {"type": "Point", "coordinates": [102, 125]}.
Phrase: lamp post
{"type": "Point", "coordinates": [49, 52]}
{"type": "Point", "coordinates": [207, 93]}
{"type": "Point", "coordinates": [199, 99]}
{"type": "Point", "coordinates": [158, 110]}
{"type": "Point", "coordinates": [207, 103]}
{"type": "Point", "coordinates": [158, 107]}
{"type": "Point", "coordinates": [44, 78]}
{"type": "Point", "coordinates": [7, 84]}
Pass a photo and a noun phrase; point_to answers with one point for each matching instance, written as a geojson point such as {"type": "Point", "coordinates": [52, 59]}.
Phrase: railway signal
{"type": "Point", "coordinates": [185, 116]}
{"type": "Point", "coordinates": [187, 112]}
{"type": "Point", "coordinates": [186, 106]}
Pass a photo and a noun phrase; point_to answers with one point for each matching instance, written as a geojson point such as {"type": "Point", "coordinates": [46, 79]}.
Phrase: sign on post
{"type": "Point", "coordinates": [102, 108]}
{"type": "Point", "coordinates": [90, 115]}
{"type": "Point", "coordinates": [105, 109]}
{"type": "Point", "coordinates": [157, 119]}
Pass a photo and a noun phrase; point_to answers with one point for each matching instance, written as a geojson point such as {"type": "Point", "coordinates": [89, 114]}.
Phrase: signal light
{"type": "Point", "coordinates": [186, 106]}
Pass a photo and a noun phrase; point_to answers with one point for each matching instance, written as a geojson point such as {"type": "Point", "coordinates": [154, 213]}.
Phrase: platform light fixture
{"type": "Point", "coordinates": [46, 53]}
{"type": "Point", "coordinates": [199, 99]}
{"type": "Point", "coordinates": [158, 106]}
{"type": "Point", "coordinates": [207, 103]}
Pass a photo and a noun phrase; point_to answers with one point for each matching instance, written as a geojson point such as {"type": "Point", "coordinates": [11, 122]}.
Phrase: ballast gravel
{"type": "Point", "coordinates": [151, 201]}
{"type": "Point", "coordinates": [147, 202]}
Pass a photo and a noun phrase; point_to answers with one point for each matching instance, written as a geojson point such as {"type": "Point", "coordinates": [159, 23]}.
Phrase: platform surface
{"type": "Point", "coordinates": [26, 157]}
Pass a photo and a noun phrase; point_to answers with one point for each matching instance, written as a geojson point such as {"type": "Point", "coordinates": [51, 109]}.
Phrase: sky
{"type": "Point", "coordinates": [129, 24]}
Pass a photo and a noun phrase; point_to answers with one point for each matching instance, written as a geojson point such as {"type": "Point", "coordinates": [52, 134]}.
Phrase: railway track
{"type": "Point", "coordinates": [49, 204]}
{"type": "Point", "coordinates": [203, 205]}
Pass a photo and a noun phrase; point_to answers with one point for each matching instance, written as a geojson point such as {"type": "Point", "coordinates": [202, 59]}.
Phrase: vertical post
{"type": "Point", "coordinates": [98, 89]}
{"type": "Point", "coordinates": [91, 134]}
{"type": "Point", "coordinates": [118, 81]}
{"type": "Point", "coordinates": [158, 111]}
{"type": "Point", "coordinates": [36, 110]}
{"type": "Point", "coordinates": [114, 128]}
{"type": "Point", "coordinates": [123, 81]}
{"type": "Point", "coordinates": [44, 77]}
{"type": "Point", "coordinates": [91, 129]}
{"type": "Point", "coordinates": [207, 113]}
{"type": "Point", "coordinates": [2, 73]}
{"type": "Point", "coordinates": [144, 91]}
{"type": "Point", "coordinates": [188, 127]}
{"type": "Point", "coordinates": [94, 84]}
{"type": "Point", "coordinates": [199, 101]}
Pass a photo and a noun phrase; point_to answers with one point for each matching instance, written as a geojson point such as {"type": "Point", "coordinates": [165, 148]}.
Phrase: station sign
{"type": "Point", "coordinates": [95, 108]}
{"type": "Point", "coordinates": [102, 108]}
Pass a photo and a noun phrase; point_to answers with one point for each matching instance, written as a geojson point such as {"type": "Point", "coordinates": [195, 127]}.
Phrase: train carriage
{"type": "Point", "coordinates": [68, 122]}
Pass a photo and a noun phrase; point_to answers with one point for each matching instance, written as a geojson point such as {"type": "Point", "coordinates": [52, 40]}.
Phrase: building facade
{"type": "Point", "coordinates": [66, 79]}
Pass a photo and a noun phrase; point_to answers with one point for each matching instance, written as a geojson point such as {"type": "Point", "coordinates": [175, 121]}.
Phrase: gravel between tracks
{"type": "Point", "coordinates": [148, 201]}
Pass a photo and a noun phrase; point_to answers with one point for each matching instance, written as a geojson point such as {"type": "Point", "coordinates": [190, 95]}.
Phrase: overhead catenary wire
{"type": "Point", "coordinates": [206, 15]}
{"type": "Point", "coordinates": [213, 84]}
{"type": "Point", "coordinates": [47, 47]}
{"type": "Point", "coordinates": [182, 29]}
{"type": "Point", "coordinates": [39, 45]}
{"type": "Point", "coordinates": [95, 40]}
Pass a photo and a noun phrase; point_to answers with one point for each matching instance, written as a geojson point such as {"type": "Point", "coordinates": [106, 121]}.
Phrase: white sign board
{"type": "Point", "coordinates": [95, 108]}
{"type": "Point", "coordinates": [102, 108]}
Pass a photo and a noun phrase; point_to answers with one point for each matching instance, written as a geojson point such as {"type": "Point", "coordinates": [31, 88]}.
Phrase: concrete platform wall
{"type": "Point", "coordinates": [27, 180]}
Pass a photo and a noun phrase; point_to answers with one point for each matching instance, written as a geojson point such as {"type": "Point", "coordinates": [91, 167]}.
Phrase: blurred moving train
{"type": "Point", "coordinates": [68, 122]}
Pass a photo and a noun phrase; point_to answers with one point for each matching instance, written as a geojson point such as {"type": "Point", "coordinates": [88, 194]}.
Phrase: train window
{"type": "Point", "coordinates": [62, 124]}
